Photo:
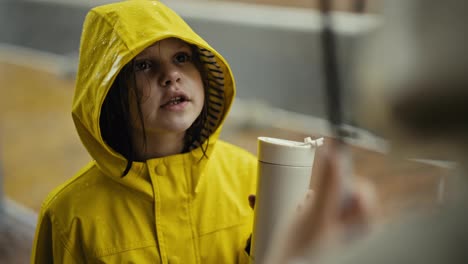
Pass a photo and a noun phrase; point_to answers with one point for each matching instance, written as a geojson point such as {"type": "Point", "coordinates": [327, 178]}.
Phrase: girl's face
{"type": "Point", "coordinates": [169, 88]}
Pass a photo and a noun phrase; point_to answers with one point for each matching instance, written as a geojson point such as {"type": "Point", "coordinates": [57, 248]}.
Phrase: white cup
{"type": "Point", "coordinates": [284, 170]}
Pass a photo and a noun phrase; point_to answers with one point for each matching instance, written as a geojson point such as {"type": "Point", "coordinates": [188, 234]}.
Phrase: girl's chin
{"type": "Point", "coordinates": [175, 129]}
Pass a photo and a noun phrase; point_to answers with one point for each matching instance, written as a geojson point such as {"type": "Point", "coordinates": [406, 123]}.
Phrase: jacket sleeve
{"type": "Point", "coordinates": [49, 245]}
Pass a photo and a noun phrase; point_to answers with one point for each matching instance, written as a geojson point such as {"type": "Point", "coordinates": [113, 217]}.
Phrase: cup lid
{"type": "Point", "coordinates": [287, 152]}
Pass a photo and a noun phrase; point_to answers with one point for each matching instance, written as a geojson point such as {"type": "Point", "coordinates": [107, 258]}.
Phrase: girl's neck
{"type": "Point", "coordinates": [157, 145]}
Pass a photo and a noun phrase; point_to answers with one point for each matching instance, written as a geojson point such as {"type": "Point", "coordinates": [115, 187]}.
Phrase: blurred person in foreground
{"type": "Point", "coordinates": [416, 63]}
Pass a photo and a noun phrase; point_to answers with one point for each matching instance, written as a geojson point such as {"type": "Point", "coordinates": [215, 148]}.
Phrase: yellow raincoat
{"type": "Point", "coordinates": [176, 209]}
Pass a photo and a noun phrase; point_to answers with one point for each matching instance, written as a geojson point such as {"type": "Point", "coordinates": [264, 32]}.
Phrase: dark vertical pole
{"type": "Point", "coordinates": [359, 6]}
{"type": "Point", "coordinates": [332, 81]}
{"type": "Point", "coordinates": [331, 71]}
{"type": "Point", "coordinates": [333, 86]}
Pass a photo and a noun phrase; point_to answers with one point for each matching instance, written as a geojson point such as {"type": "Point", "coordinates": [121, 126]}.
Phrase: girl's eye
{"type": "Point", "coordinates": [182, 57]}
{"type": "Point", "coordinates": [142, 65]}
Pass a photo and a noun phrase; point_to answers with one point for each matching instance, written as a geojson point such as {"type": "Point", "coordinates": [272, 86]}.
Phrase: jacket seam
{"type": "Point", "coordinates": [65, 242]}
{"type": "Point", "coordinates": [223, 228]}
{"type": "Point", "coordinates": [189, 209]}
{"type": "Point", "coordinates": [159, 232]}
{"type": "Point", "coordinates": [63, 239]}
{"type": "Point", "coordinates": [49, 201]}
{"type": "Point", "coordinates": [111, 251]}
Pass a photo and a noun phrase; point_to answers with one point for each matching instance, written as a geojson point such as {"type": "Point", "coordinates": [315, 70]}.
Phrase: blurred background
{"type": "Point", "coordinates": [273, 47]}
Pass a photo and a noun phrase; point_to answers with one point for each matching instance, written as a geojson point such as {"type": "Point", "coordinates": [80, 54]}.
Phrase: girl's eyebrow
{"type": "Point", "coordinates": [140, 56]}
{"type": "Point", "coordinates": [184, 46]}
{"type": "Point", "coordinates": [146, 53]}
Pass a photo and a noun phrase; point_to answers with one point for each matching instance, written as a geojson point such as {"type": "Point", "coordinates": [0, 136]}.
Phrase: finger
{"type": "Point", "coordinates": [318, 214]}
{"type": "Point", "coordinates": [252, 201]}
{"type": "Point", "coordinates": [327, 197]}
{"type": "Point", "coordinates": [323, 211]}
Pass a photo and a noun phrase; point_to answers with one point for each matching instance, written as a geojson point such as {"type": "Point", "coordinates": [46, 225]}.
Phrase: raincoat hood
{"type": "Point", "coordinates": [112, 36]}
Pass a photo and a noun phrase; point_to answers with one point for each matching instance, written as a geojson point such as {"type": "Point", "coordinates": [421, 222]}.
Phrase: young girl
{"type": "Point", "coordinates": [150, 100]}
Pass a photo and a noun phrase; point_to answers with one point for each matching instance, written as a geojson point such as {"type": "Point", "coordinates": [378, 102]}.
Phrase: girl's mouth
{"type": "Point", "coordinates": [177, 100]}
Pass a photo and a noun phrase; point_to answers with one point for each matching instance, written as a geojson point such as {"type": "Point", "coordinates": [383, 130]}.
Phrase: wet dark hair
{"type": "Point", "coordinates": [114, 121]}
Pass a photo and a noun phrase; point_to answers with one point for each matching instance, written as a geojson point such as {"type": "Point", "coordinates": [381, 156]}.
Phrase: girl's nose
{"type": "Point", "coordinates": [170, 76]}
